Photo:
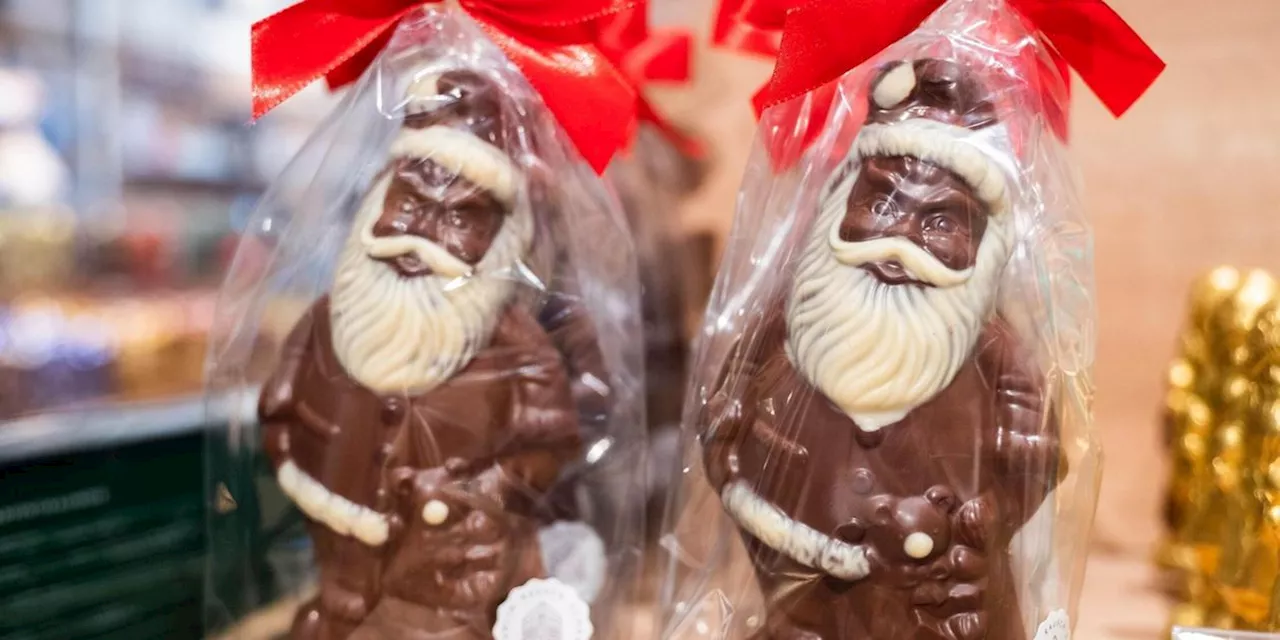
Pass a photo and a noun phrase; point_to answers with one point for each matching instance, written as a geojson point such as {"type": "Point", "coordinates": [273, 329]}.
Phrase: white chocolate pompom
{"type": "Point", "coordinates": [918, 545]}
{"type": "Point", "coordinates": [895, 86]}
{"type": "Point", "coordinates": [435, 513]}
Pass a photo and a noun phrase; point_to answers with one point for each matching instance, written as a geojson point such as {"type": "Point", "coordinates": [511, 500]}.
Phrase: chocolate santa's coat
{"type": "Point", "coordinates": [487, 442]}
{"type": "Point", "coordinates": [967, 467]}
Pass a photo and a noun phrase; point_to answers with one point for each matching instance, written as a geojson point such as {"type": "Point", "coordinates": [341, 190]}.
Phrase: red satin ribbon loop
{"type": "Point", "coordinates": [549, 14]}
{"type": "Point", "coordinates": [645, 55]}
{"type": "Point", "coordinates": [821, 40]}
{"type": "Point", "coordinates": [551, 41]}
{"type": "Point", "coordinates": [738, 26]}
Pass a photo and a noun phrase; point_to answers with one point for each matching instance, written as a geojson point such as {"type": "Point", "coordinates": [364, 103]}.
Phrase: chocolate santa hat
{"type": "Point", "coordinates": [455, 119]}
{"type": "Point", "coordinates": [938, 111]}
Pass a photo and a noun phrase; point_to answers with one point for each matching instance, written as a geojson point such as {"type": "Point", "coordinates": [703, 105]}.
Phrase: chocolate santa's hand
{"type": "Point", "coordinates": [724, 421]}
{"type": "Point", "coordinates": [966, 626]}
{"type": "Point", "coordinates": [1028, 454]}
{"type": "Point", "coordinates": [912, 531]}
{"type": "Point", "coordinates": [972, 524]}
{"type": "Point", "coordinates": [436, 501]}
{"type": "Point", "coordinates": [275, 414]}
{"type": "Point", "coordinates": [543, 423]}
{"type": "Point", "coordinates": [457, 539]}
{"type": "Point", "coordinates": [530, 418]}
{"type": "Point", "coordinates": [275, 442]}
{"type": "Point", "coordinates": [1026, 449]}
{"type": "Point", "coordinates": [573, 333]}
{"type": "Point", "coordinates": [428, 495]}
{"type": "Point", "coordinates": [956, 591]}
{"type": "Point", "coordinates": [544, 409]}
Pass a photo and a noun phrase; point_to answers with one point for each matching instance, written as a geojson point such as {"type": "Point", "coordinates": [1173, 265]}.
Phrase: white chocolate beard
{"type": "Point", "coordinates": [877, 351]}
{"type": "Point", "coordinates": [407, 335]}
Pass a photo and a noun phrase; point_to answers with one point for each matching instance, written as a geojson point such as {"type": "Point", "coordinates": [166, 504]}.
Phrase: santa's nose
{"type": "Point", "coordinates": [899, 225]}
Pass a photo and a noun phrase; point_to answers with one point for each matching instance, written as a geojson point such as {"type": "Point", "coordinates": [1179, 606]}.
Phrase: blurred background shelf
{"type": "Point", "coordinates": [128, 168]}
{"type": "Point", "coordinates": [118, 425]}
{"type": "Point", "coordinates": [127, 171]}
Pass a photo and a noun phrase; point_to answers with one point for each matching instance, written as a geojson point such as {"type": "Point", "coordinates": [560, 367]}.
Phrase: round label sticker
{"type": "Point", "coordinates": [1055, 627]}
{"type": "Point", "coordinates": [543, 610]}
{"type": "Point", "coordinates": [573, 553]}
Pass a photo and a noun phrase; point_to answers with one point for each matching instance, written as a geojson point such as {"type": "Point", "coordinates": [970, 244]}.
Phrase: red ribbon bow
{"type": "Point", "coordinates": [650, 55]}
{"type": "Point", "coordinates": [551, 41]}
{"type": "Point", "coordinates": [818, 41]}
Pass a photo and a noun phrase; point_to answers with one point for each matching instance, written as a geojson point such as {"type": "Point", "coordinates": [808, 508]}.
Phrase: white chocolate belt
{"type": "Point", "coordinates": [341, 515]}
{"type": "Point", "coordinates": [794, 539]}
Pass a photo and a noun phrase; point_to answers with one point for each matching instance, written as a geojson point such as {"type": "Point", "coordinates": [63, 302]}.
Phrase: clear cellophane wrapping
{"type": "Point", "coordinates": [879, 444]}
{"type": "Point", "coordinates": [651, 181]}
{"type": "Point", "coordinates": [441, 427]}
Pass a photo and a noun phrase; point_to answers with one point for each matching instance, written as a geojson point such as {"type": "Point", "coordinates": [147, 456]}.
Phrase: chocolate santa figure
{"type": "Point", "coordinates": [420, 411]}
{"type": "Point", "coordinates": [881, 438]}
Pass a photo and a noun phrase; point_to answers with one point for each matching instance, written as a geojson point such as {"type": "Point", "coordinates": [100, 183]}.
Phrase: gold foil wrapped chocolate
{"type": "Point", "coordinates": [1223, 422]}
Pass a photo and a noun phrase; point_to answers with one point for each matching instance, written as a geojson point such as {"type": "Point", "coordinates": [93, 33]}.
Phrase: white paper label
{"type": "Point", "coordinates": [543, 610]}
{"type": "Point", "coordinates": [573, 553]}
{"type": "Point", "coordinates": [1056, 627]}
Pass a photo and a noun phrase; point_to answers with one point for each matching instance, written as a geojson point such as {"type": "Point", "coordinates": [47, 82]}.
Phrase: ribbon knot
{"type": "Point", "coordinates": [815, 42]}
{"type": "Point", "coordinates": [646, 55]}
{"type": "Point", "coordinates": [552, 42]}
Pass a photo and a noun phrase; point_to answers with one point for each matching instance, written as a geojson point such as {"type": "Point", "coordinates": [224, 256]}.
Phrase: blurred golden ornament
{"type": "Point", "coordinates": [1210, 415]}
{"type": "Point", "coordinates": [1223, 413]}
{"type": "Point", "coordinates": [1247, 559]}
{"type": "Point", "coordinates": [1189, 417]}
{"type": "Point", "coordinates": [37, 250]}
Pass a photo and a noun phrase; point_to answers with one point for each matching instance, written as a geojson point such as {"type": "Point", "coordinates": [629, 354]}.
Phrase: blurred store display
{"type": "Point", "coordinates": [128, 167]}
{"type": "Point", "coordinates": [126, 163]}
{"type": "Point", "coordinates": [32, 174]}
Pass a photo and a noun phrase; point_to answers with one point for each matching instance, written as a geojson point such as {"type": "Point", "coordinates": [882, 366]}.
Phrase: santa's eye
{"type": "Point", "coordinates": [942, 223]}
{"type": "Point", "coordinates": [457, 219]}
{"type": "Point", "coordinates": [882, 208]}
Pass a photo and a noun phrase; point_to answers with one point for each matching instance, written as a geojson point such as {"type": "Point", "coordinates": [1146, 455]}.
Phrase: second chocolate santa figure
{"type": "Point", "coordinates": [881, 438]}
{"type": "Point", "coordinates": [421, 412]}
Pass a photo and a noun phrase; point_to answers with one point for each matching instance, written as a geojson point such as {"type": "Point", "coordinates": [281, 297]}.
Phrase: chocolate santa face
{"type": "Point", "coordinates": [449, 194]}
{"type": "Point", "coordinates": [902, 266]}
{"type": "Point", "coordinates": [427, 264]}
{"type": "Point", "coordinates": [427, 201]}
{"type": "Point", "coordinates": [920, 202]}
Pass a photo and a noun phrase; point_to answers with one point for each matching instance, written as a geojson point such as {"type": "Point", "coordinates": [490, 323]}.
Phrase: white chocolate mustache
{"type": "Point", "coordinates": [919, 264]}
{"type": "Point", "coordinates": [436, 257]}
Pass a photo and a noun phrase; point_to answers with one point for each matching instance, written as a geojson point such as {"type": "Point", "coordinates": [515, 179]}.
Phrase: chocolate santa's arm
{"type": "Point", "coordinates": [566, 319]}
{"type": "Point", "coordinates": [1027, 448]}
{"type": "Point", "coordinates": [725, 418]}
{"type": "Point", "coordinates": [540, 438]}
{"type": "Point", "coordinates": [276, 402]}
{"type": "Point", "coordinates": [544, 434]}
{"type": "Point", "coordinates": [574, 334]}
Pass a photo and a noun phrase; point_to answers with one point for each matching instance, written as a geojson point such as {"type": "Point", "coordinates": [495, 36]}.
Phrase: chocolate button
{"type": "Point", "coordinates": [392, 411]}
{"type": "Point", "coordinates": [384, 452]}
{"type": "Point", "coordinates": [918, 545]}
{"type": "Point", "coordinates": [435, 513]}
{"type": "Point", "coordinates": [863, 481]}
